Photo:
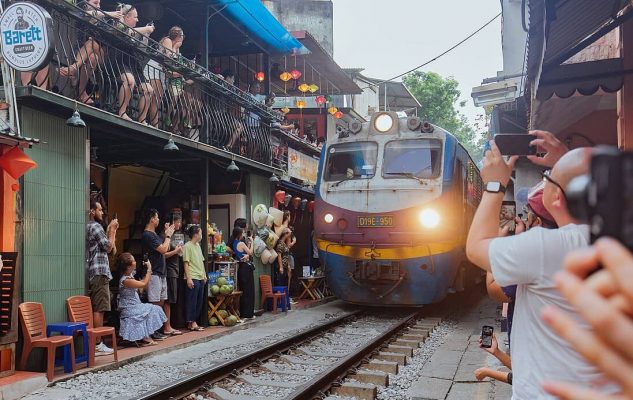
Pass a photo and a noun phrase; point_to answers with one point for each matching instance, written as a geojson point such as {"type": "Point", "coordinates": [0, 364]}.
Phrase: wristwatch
{"type": "Point", "coordinates": [495, 187]}
{"type": "Point", "coordinates": [169, 237]}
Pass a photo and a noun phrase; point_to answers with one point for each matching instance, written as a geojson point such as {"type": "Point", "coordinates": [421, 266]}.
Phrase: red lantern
{"type": "Point", "coordinates": [280, 195]}
{"type": "Point", "coordinates": [295, 73]}
{"type": "Point", "coordinates": [296, 202]}
{"type": "Point", "coordinates": [320, 100]}
{"type": "Point", "coordinates": [311, 206]}
{"type": "Point", "coordinates": [260, 76]}
{"type": "Point", "coordinates": [16, 163]}
{"type": "Point", "coordinates": [15, 187]}
{"type": "Point", "coordinates": [338, 115]}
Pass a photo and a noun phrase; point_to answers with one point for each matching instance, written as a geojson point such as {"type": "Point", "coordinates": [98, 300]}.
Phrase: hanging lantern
{"type": "Point", "coordinates": [295, 74]}
{"type": "Point", "coordinates": [313, 88]}
{"type": "Point", "coordinates": [285, 110]}
{"type": "Point", "coordinates": [311, 206]}
{"type": "Point", "coordinates": [15, 187]}
{"type": "Point", "coordinates": [332, 110]}
{"type": "Point", "coordinates": [285, 76]}
{"type": "Point", "coordinates": [301, 104]}
{"type": "Point", "coordinates": [304, 204]}
{"type": "Point", "coordinates": [260, 76]}
{"type": "Point", "coordinates": [328, 98]}
{"type": "Point", "coordinates": [338, 115]}
{"type": "Point", "coordinates": [15, 162]}
{"type": "Point", "coordinates": [304, 87]}
{"type": "Point", "coordinates": [320, 100]}
{"type": "Point", "coordinates": [287, 199]}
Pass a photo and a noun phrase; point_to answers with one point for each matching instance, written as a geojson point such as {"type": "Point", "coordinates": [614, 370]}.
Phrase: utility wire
{"type": "Point", "coordinates": [441, 54]}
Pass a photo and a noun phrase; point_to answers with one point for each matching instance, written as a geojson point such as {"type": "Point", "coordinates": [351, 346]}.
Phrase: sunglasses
{"type": "Point", "coordinates": [546, 177]}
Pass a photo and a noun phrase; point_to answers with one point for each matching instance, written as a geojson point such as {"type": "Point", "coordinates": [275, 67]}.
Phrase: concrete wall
{"type": "Point", "coordinates": [314, 16]}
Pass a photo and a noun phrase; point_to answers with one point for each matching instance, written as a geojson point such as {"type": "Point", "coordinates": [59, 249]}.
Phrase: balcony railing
{"type": "Point", "coordinates": [100, 62]}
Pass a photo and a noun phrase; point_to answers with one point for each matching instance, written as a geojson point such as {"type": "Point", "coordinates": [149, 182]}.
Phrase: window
{"type": "Point", "coordinates": [416, 157]}
{"type": "Point", "coordinates": [351, 161]}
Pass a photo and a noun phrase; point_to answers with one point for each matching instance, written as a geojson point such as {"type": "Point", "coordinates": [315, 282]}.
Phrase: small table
{"type": "Point", "coordinates": [69, 329]}
{"type": "Point", "coordinates": [230, 301]}
{"type": "Point", "coordinates": [311, 287]}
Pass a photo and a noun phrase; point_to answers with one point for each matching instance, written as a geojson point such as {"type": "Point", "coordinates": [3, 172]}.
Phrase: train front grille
{"type": "Point", "coordinates": [377, 272]}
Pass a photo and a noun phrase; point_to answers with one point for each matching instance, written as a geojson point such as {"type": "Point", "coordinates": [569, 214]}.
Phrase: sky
{"type": "Point", "coordinates": [390, 37]}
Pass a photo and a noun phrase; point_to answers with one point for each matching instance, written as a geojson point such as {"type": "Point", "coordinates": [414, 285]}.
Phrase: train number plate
{"type": "Point", "coordinates": [377, 221]}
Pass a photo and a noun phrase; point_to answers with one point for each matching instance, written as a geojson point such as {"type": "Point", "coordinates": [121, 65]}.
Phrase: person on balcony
{"type": "Point", "coordinates": [234, 125]}
{"type": "Point", "coordinates": [91, 54]}
{"type": "Point", "coordinates": [155, 74]}
{"type": "Point", "coordinates": [131, 68]}
{"type": "Point", "coordinates": [139, 321]}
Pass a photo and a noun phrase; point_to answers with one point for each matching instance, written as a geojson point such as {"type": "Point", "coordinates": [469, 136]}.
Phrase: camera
{"type": "Point", "coordinates": [141, 270]}
{"type": "Point", "coordinates": [604, 197]}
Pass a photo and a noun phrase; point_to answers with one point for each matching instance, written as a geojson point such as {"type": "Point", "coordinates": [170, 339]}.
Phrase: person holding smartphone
{"type": "Point", "coordinates": [530, 260]}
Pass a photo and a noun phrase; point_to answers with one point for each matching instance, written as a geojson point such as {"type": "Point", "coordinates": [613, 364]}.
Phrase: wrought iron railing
{"type": "Point", "coordinates": [100, 62]}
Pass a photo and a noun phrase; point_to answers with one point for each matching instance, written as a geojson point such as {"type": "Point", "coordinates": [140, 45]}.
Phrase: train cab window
{"type": "Point", "coordinates": [420, 158]}
{"type": "Point", "coordinates": [351, 161]}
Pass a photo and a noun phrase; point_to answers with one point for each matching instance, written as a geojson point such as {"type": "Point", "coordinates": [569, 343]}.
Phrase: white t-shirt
{"type": "Point", "coordinates": [530, 260]}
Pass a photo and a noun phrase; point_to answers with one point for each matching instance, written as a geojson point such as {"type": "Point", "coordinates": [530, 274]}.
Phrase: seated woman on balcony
{"type": "Point", "coordinates": [234, 125]}
{"type": "Point", "coordinates": [91, 54]}
{"type": "Point", "coordinates": [138, 320]}
{"type": "Point", "coordinates": [131, 68]}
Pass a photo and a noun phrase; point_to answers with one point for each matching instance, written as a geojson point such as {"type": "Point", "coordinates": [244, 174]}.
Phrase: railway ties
{"type": "Point", "coordinates": [350, 361]}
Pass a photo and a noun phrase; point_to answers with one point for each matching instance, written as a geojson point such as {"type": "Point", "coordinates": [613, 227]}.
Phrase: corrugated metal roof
{"type": "Point", "coordinates": [11, 138]}
{"type": "Point", "coordinates": [565, 24]}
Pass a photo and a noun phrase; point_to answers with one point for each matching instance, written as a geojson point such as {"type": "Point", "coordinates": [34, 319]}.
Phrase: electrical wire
{"type": "Point", "coordinates": [441, 54]}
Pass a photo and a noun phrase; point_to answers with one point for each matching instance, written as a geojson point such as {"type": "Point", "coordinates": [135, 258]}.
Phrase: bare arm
{"type": "Point", "coordinates": [503, 357]}
{"type": "Point", "coordinates": [486, 372]}
{"type": "Point", "coordinates": [174, 252]}
{"type": "Point", "coordinates": [133, 283]}
{"type": "Point", "coordinates": [242, 247]}
{"type": "Point", "coordinates": [494, 290]}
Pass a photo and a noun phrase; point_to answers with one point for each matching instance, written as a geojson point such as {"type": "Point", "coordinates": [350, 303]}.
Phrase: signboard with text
{"type": "Point", "coordinates": [27, 32]}
{"type": "Point", "coordinates": [302, 166]}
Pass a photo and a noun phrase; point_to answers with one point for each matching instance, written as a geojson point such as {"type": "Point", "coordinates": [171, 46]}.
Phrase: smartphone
{"type": "Point", "coordinates": [515, 144]}
{"type": "Point", "coordinates": [486, 336]}
{"type": "Point", "coordinates": [116, 216]}
{"type": "Point", "coordinates": [145, 258]}
{"type": "Point", "coordinates": [507, 214]}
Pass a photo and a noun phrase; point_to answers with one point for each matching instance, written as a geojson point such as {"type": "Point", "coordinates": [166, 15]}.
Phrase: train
{"type": "Point", "coordinates": [394, 201]}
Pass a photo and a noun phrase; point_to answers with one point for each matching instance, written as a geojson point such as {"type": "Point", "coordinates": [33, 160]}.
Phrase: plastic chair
{"type": "Point", "coordinates": [267, 292]}
{"type": "Point", "coordinates": [285, 301]}
{"type": "Point", "coordinates": [80, 310]}
{"type": "Point", "coordinates": [33, 324]}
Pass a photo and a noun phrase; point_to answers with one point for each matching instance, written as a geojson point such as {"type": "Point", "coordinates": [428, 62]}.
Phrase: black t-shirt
{"type": "Point", "coordinates": [173, 262]}
{"type": "Point", "coordinates": [150, 241]}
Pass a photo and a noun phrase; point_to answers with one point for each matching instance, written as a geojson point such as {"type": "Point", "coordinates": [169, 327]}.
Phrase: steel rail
{"type": "Point", "coordinates": [190, 384]}
{"type": "Point", "coordinates": [324, 381]}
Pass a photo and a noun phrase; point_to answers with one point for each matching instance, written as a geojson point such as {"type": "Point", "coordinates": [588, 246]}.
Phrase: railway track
{"type": "Point", "coordinates": [366, 345]}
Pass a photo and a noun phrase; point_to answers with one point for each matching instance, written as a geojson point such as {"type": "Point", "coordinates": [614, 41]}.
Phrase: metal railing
{"type": "Point", "coordinates": [100, 62]}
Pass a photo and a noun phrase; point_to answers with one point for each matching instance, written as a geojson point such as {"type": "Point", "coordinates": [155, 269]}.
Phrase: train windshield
{"type": "Point", "coordinates": [420, 158]}
{"type": "Point", "coordinates": [351, 161]}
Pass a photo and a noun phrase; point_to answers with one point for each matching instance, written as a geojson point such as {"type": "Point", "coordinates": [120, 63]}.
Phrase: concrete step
{"type": "Point", "coordinates": [363, 391]}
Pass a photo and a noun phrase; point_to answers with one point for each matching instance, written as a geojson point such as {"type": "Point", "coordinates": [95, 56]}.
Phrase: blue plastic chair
{"type": "Point", "coordinates": [285, 301]}
{"type": "Point", "coordinates": [69, 329]}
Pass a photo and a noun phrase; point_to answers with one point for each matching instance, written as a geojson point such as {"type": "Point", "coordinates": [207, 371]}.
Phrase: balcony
{"type": "Point", "coordinates": [101, 63]}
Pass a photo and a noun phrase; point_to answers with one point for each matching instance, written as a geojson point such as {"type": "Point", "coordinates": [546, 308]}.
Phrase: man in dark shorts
{"type": "Point", "coordinates": [156, 248]}
{"type": "Point", "coordinates": [172, 258]}
{"type": "Point", "coordinates": [99, 244]}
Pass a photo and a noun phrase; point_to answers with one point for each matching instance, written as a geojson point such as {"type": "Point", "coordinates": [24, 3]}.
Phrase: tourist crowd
{"type": "Point", "coordinates": [568, 325]}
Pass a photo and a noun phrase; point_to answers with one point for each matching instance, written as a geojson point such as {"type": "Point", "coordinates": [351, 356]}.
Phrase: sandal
{"type": "Point", "coordinates": [148, 342]}
{"type": "Point", "coordinates": [174, 332]}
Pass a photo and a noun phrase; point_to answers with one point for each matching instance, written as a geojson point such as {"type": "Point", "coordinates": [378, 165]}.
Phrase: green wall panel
{"type": "Point", "coordinates": [259, 192]}
{"type": "Point", "coordinates": [54, 198]}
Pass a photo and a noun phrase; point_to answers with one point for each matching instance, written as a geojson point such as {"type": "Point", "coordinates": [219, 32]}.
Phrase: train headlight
{"type": "Point", "coordinates": [383, 123]}
{"type": "Point", "coordinates": [429, 218]}
{"type": "Point", "coordinates": [328, 218]}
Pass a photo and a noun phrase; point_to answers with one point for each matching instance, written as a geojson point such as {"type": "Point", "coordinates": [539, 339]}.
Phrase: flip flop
{"type": "Point", "coordinates": [175, 332]}
{"type": "Point", "coordinates": [148, 343]}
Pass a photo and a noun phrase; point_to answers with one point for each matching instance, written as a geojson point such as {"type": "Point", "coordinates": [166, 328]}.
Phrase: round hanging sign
{"type": "Point", "coordinates": [27, 32]}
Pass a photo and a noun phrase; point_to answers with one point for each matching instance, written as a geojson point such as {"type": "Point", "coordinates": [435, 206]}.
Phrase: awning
{"type": "Point", "coordinates": [11, 139]}
{"type": "Point", "coordinates": [570, 26]}
{"type": "Point", "coordinates": [338, 81]}
{"type": "Point", "coordinates": [293, 187]}
{"type": "Point", "coordinates": [254, 20]}
{"type": "Point", "coordinates": [399, 97]}
{"type": "Point", "coordinates": [583, 78]}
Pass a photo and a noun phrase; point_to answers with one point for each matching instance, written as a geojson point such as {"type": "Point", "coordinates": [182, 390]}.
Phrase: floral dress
{"type": "Point", "coordinates": [138, 320]}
